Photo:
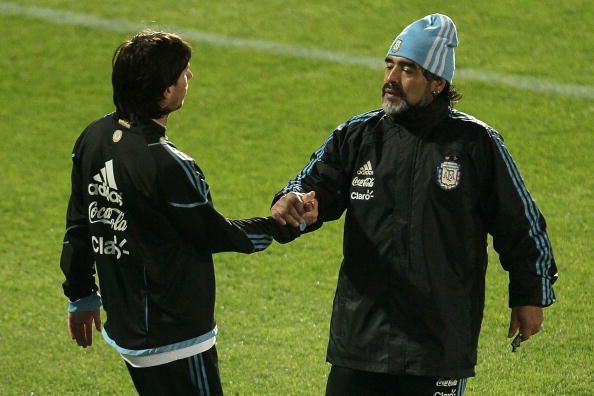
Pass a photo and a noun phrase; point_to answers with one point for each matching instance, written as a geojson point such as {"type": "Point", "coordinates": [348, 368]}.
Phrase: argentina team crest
{"type": "Point", "coordinates": [396, 45]}
{"type": "Point", "coordinates": [448, 173]}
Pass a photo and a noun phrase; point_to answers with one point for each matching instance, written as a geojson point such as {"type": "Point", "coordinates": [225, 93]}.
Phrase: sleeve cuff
{"type": "Point", "coordinates": [283, 234]}
{"type": "Point", "coordinates": [85, 304]}
{"type": "Point", "coordinates": [531, 290]}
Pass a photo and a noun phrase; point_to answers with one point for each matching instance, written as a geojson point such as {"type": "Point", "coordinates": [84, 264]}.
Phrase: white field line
{"type": "Point", "coordinates": [375, 63]}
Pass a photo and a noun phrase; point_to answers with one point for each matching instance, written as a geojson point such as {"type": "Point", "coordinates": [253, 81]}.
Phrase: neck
{"type": "Point", "coordinates": [162, 120]}
{"type": "Point", "coordinates": [421, 117]}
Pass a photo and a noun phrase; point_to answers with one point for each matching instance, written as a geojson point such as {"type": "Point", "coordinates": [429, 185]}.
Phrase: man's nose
{"type": "Point", "coordinates": [392, 75]}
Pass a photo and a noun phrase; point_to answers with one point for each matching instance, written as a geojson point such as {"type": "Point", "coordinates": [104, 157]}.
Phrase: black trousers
{"type": "Point", "coordinates": [347, 382]}
{"type": "Point", "coordinates": [197, 375]}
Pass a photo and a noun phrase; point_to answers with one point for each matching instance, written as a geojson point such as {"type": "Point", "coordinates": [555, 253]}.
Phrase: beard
{"type": "Point", "coordinates": [391, 108]}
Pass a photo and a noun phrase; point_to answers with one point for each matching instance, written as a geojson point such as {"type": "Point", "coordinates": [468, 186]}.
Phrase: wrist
{"type": "Point", "coordinates": [85, 304]}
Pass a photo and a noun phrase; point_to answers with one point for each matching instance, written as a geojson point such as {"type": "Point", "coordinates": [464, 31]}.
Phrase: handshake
{"type": "Point", "coordinates": [296, 209]}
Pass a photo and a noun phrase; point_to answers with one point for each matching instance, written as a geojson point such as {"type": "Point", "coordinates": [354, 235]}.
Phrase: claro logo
{"type": "Point", "coordinates": [109, 247]}
{"type": "Point", "coordinates": [362, 197]}
{"type": "Point", "coordinates": [452, 393]}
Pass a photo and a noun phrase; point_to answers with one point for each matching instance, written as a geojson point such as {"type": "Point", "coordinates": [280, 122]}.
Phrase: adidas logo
{"type": "Point", "coordinates": [106, 185]}
{"type": "Point", "coordinates": [366, 169]}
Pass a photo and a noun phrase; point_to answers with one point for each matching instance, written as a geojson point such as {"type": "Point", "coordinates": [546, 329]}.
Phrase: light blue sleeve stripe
{"type": "Point", "coordinates": [295, 184]}
{"type": "Point", "coordinates": [190, 205]}
{"type": "Point", "coordinates": [541, 241]}
{"type": "Point", "coordinates": [75, 226]}
{"type": "Point", "coordinates": [530, 209]}
{"type": "Point", "coordinates": [262, 245]}
{"type": "Point", "coordinates": [204, 377]}
{"type": "Point", "coordinates": [531, 212]}
{"type": "Point", "coordinates": [266, 241]}
{"type": "Point", "coordinates": [260, 241]}
{"type": "Point", "coordinates": [259, 236]}
{"type": "Point", "coordinates": [461, 388]}
{"type": "Point", "coordinates": [197, 374]}
{"type": "Point", "coordinates": [85, 304]}
{"type": "Point", "coordinates": [191, 370]}
{"type": "Point", "coordinates": [307, 170]}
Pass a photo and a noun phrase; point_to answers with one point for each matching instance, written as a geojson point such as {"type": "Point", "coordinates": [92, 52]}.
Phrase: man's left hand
{"type": "Point", "coordinates": [527, 319]}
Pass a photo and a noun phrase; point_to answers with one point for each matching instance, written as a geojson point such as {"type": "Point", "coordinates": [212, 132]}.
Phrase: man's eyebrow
{"type": "Point", "coordinates": [403, 63]}
{"type": "Point", "coordinates": [409, 64]}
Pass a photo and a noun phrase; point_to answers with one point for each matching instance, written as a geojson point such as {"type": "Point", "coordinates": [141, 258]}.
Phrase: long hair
{"type": "Point", "coordinates": [449, 93]}
{"type": "Point", "coordinates": [142, 69]}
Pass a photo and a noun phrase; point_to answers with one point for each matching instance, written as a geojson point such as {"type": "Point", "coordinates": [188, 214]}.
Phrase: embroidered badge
{"type": "Point", "coordinates": [117, 135]}
{"type": "Point", "coordinates": [448, 173]}
{"type": "Point", "coordinates": [396, 45]}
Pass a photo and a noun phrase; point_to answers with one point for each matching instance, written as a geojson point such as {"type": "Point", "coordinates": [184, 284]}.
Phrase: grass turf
{"type": "Point", "coordinates": [251, 120]}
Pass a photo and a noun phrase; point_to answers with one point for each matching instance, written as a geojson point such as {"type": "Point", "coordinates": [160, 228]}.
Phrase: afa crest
{"type": "Point", "coordinates": [448, 174]}
{"type": "Point", "coordinates": [396, 45]}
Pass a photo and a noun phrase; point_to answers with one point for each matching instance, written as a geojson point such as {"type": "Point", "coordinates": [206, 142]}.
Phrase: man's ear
{"type": "Point", "coordinates": [167, 93]}
{"type": "Point", "coordinates": [438, 85]}
{"type": "Point", "coordinates": [166, 97]}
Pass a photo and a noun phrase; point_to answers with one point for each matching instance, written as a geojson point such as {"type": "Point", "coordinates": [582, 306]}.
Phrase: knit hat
{"type": "Point", "coordinates": [429, 42]}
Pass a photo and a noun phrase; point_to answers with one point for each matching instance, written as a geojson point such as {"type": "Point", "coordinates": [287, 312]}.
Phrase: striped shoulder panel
{"type": "Point", "coordinates": [532, 214]}
{"type": "Point", "coordinates": [295, 184]}
{"type": "Point", "coordinates": [364, 117]}
{"type": "Point", "coordinates": [458, 115]}
{"type": "Point", "coordinates": [188, 166]}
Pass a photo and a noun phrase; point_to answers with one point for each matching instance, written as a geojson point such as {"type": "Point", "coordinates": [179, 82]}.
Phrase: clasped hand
{"type": "Point", "coordinates": [296, 209]}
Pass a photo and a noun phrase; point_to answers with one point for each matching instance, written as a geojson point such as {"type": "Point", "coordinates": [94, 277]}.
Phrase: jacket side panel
{"type": "Point", "coordinates": [519, 230]}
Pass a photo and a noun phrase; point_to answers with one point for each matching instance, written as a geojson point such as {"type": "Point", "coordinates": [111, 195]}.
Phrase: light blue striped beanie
{"type": "Point", "coordinates": [429, 42]}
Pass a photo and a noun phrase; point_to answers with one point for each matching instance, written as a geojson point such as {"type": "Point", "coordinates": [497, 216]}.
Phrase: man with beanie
{"type": "Point", "coordinates": [422, 185]}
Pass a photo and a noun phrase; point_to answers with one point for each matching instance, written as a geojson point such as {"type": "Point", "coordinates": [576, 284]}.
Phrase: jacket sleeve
{"type": "Point", "coordinates": [77, 261]}
{"type": "Point", "coordinates": [324, 174]}
{"type": "Point", "coordinates": [519, 231]}
{"type": "Point", "coordinates": [189, 205]}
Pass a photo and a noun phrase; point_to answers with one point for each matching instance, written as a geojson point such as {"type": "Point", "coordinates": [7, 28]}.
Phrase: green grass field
{"type": "Point", "coordinates": [251, 120]}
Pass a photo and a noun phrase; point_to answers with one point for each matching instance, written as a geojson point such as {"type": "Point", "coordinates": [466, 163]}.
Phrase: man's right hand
{"type": "Point", "coordinates": [80, 326]}
{"type": "Point", "coordinates": [296, 209]}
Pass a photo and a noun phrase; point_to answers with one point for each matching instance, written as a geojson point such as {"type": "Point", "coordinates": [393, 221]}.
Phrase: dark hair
{"type": "Point", "coordinates": [449, 93]}
{"type": "Point", "coordinates": [142, 69]}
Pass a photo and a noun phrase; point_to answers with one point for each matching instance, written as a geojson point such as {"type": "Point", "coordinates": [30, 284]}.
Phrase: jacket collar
{"type": "Point", "coordinates": [150, 127]}
{"type": "Point", "coordinates": [424, 117]}
{"type": "Point", "coordinates": [151, 130]}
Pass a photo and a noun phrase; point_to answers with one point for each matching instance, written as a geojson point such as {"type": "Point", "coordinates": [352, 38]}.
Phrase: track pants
{"type": "Point", "coordinates": [347, 382]}
{"type": "Point", "coordinates": [197, 375]}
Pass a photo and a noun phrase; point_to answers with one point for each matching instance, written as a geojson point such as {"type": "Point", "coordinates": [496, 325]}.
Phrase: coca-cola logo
{"type": "Point", "coordinates": [114, 217]}
{"type": "Point", "coordinates": [366, 182]}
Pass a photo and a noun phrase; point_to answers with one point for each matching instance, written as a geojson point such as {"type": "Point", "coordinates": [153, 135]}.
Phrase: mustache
{"type": "Point", "coordinates": [393, 87]}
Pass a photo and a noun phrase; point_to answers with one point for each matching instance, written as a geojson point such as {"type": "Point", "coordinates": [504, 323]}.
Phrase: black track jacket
{"type": "Point", "coordinates": [419, 203]}
{"type": "Point", "coordinates": [141, 210]}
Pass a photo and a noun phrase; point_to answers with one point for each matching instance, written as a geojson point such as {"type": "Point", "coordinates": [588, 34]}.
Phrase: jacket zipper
{"type": "Point", "coordinates": [146, 302]}
{"type": "Point", "coordinates": [410, 196]}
